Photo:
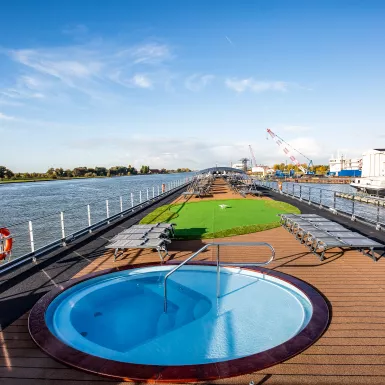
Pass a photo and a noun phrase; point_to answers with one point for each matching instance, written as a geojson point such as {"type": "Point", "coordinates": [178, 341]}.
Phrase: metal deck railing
{"type": "Point", "coordinates": [354, 208]}
{"type": "Point", "coordinates": [41, 235]}
{"type": "Point", "coordinates": [218, 244]}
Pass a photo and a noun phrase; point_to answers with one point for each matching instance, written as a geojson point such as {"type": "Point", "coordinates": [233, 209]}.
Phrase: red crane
{"type": "Point", "coordinates": [280, 142]}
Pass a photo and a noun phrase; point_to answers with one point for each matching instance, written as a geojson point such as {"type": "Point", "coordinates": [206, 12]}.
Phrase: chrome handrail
{"type": "Point", "coordinates": [218, 244]}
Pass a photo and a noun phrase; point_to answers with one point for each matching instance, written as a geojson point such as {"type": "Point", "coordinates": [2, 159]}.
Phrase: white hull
{"type": "Point", "coordinates": [373, 186]}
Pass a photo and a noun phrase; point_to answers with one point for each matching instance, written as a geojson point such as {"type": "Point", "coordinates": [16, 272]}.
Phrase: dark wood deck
{"type": "Point", "coordinates": [352, 350]}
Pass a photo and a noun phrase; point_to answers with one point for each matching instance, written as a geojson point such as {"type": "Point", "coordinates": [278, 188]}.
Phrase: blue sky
{"type": "Point", "coordinates": [188, 83]}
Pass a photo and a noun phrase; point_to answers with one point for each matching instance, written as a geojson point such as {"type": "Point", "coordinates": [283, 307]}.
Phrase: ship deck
{"type": "Point", "coordinates": [351, 351]}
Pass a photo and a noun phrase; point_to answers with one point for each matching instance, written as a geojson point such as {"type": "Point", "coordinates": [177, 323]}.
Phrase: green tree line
{"type": "Point", "coordinates": [319, 169]}
{"type": "Point", "coordinates": [84, 172]}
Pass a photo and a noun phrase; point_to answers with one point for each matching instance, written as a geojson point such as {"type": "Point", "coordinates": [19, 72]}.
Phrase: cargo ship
{"type": "Point", "coordinates": [372, 179]}
{"type": "Point", "coordinates": [342, 166]}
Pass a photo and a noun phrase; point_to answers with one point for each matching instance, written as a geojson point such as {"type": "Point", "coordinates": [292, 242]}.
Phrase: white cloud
{"type": "Point", "coordinates": [192, 152]}
{"type": "Point", "coordinates": [6, 117]}
{"type": "Point", "coordinates": [150, 53]}
{"type": "Point", "coordinates": [296, 128]}
{"type": "Point", "coordinates": [90, 69]}
{"type": "Point", "coordinates": [197, 82]}
{"type": "Point", "coordinates": [87, 68]}
{"type": "Point", "coordinates": [308, 146]}
{"type": "Point", "coordinates": [141, 81]}
{"type": "Point", "coordinates": [55, 62]}
{"type": "Point", "coordinates": [250, 84]}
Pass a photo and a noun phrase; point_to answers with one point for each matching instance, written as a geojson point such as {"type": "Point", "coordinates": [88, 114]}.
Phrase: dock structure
{"type": "Point", "coordinates": [351, 351]}
{"type": "Point", "coordinates": [362, 198]}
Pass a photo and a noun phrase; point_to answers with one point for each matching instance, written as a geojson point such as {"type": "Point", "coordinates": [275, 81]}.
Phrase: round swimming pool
{"type": "Point", "coordinates": [114, 323]}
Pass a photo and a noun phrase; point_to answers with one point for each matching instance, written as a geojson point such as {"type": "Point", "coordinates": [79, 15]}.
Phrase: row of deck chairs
{"type": "Point", "coordinates": [152, 236]}
{"type": "Point", "coordinates": [240, 187]}
{"type": "Point", "coordinates": [252, 189]}
{"type": "Point", "coordinates": [200, 186]}
{"type": "Point", "coordinates": [236, 184]}
{"type": "Point", "coordinates": [320, 234]}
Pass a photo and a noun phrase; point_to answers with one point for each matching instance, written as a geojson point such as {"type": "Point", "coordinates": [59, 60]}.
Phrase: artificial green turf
{"type": "Point", "coordinates": [207, 219]}
{"type": "Point", "coordinates": [161, 214]}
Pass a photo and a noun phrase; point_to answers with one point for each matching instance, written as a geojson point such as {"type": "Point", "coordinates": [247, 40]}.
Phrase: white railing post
{"type": "Point", "coordinates": [121, 204]}
{"type": "Point", "coordinates": [140, 196]}
{"type": "Point", "coordinates": [158, 191]}
{"type": "Point", "coordinates": [153, 192]}
{"type": "Point", "coordinates": [147, 195]}
{"type": "Point", "coordinates": [89, 216]}
{"type": "Point", "coordinates": [107, 210]}
{"type": "Point", "coordinates": [132, 200]}
{"type": "Point", "coordinates": [63, 234]}
{"type": "Point", "coordinates": [378, 225]}
{"type": "Point", "coordinates": [31, 236]}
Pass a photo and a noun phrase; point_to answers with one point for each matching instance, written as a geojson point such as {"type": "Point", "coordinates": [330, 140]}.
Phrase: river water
{"type": "Point", "coordinates": [324, 194]}
{"type": "Point", "coordinates": [42, 202]}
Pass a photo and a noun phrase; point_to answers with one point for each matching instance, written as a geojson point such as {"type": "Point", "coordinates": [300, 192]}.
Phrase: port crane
{"type": "Point", "coordinates": [252, 157]}
{"type": "Point", "coordinates": [280, 142]}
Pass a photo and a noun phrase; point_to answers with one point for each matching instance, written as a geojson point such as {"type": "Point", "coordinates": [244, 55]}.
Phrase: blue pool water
{"type": "Point", "coordinates": [119, 316]}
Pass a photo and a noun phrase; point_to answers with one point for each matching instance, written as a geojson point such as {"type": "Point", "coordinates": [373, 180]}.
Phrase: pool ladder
{"type": "Point", "coordinates": [218, 244]}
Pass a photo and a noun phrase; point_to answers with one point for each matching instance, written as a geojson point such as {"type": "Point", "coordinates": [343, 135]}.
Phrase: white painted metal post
{"type": "Point", "coordinates": [132, 200]}
{"type": "Point", "coordinates": [107, 209]}
{"type": "Point", "coordinates": [63, 234]}
{"type": "Point", "coordinates": [378, 225]}
{"type": "Point", "coordinates": [147, 195]}
{"type": "Point", "coordinates": [31, 236]}
{"type": "Point", "coordinates": [89, 215]}
{"type": "Point", "coordinates": [140, 196]}
{"type": "Point", "coordinates": [353, 207]}
{"type": "Point", "coordinates": [158, 190]}
{"type": "Point", "coordinates": [121, 204]}
{"type": "Point", "coordinates": [153, 192]}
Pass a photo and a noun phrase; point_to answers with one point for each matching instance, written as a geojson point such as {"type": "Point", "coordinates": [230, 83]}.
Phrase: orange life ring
{"type": "Point", "coordinates": [7, 244]}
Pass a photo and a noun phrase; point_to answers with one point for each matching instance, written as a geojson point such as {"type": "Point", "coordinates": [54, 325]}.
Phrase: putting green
{"type": "Point", "coordinates": [221, 218]}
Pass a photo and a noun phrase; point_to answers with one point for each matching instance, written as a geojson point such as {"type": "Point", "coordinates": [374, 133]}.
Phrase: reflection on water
{"type": "Point", "coordinates": [324, 194]}
{"type": "Point", "coordinates": [42, 202]}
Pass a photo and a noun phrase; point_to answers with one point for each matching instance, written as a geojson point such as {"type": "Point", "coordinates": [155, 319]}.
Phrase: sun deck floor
{"type": "Point", "coordinates": [352, 350]}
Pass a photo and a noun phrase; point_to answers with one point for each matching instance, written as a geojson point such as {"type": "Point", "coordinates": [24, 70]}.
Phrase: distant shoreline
{"type": "Point", "coordinates": [4, 182]}
{"type": "Point", "coordinates": [47, 179]}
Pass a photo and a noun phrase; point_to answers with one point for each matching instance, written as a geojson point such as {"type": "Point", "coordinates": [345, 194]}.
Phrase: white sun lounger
{"type": "Point", "coordinates": [321, 234]}
{"type": "Point", "coordinates": [124, 244]}
{"type": "Point", "coordinates": [361, 243]}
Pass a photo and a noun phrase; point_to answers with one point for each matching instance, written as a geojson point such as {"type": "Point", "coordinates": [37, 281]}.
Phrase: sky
{"type": "Point", "coordinates": [188, 83]}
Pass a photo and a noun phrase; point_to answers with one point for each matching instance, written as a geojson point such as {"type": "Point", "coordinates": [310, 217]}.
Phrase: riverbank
{"type": "Point", "coordinates": [314, 180]}
{"type": "Point", "coordinates": [47, 179]}
{"type": "Point", "coordinates": [8, 181]}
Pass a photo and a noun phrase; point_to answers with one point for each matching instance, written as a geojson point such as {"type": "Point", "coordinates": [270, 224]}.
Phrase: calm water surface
{"type": "Point", "coordinates": [42, 202]}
